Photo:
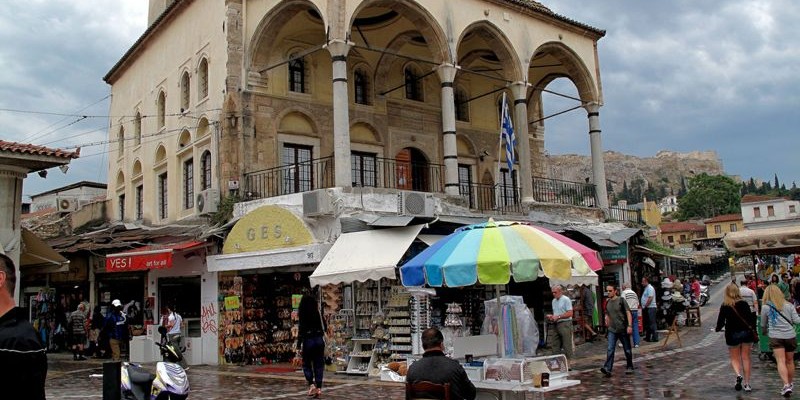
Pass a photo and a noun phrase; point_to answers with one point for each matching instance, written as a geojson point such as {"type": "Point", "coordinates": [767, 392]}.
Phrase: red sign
{"type": "Point", "coordinates": [139, 262]}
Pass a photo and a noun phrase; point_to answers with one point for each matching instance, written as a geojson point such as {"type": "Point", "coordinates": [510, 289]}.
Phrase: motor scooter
{"type": "Point", "coordinates": [704, 294]}
{"type": "Point", "coordinates": [169, 383]}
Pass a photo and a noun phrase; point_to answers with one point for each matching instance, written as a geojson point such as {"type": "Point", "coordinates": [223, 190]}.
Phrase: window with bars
{"type": "Point", "coordinates": [121, 207]}
{"type": "Point", "coordinates": [509, 189]}
{"type": "Point", "coordinates": [185, 91]}
{"type": "Point", "coordinates": [188, 184]}
{"type": "Point", "coordinates": [465, 188]}
{"type": "Point", "coordinates": [297, 75]}
{"type": "Point", "coordinates": [364, 169]}
{"type": "Point", "coordinates": [205, 166]}
{"type": "Point", "coordinates": [297, 174]}
{"type": "Point", "coordinates": [462, 104]}
{"type": "Point", "coordinates": [139, 202]}
{"type": "Point", "coordinates": [163, 206]}
{"type": "Point", "coordinates": [202, 80]}
{"type": "Point", "coordinates": [360, 87]}
{"type": "Point", "coordinates": [413, 83]}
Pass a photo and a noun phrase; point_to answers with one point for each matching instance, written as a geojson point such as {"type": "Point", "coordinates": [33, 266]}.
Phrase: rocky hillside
{"type": "Point", "coordinates": [665, 169]}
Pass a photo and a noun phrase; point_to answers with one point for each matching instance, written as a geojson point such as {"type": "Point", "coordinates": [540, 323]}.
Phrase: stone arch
{"type": "Point", "coordinates": [424, 22]}
{"type": "Point", "coordinates": [388, 60]}
{"type": "Point", "coordinates": [120, 179]}
{"type": "Point", "coordinates": [137, 168]}
{"type": "Point", "coordinates": [364, 132]}
{"type": "Point", "coordinates": [203, 127]}
{"type": "Point", "coordinates": [297, 121]}
{"type": "Point", "coordinates": [184, 139]}
{"type": "Point", "coordinates": [465, 146]}
{"type": "Point", "coordinates": [263, 43]}
{"type": "Point", "coordinates": [161, 153]}
{"type": "Point", "coordinates": [498, 43]}
{"type": "Point", "coordinates": [573, 68]}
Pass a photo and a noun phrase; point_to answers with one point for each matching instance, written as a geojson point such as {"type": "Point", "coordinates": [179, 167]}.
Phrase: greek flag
{"type": "Point", "coordinates": [507, 134]}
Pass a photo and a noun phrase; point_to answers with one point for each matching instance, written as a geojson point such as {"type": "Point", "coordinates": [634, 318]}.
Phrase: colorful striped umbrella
{"type": "Point", "coordinates": [492, 252]}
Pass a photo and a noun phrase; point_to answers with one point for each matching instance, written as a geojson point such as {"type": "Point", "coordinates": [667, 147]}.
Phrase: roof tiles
{"type": "Point", "coordinates": [25, 148]}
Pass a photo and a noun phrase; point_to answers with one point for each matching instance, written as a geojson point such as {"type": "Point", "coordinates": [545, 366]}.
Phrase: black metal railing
{"type": "Point", "coordinates": [390, 173]}
{"type": "Point", "coordinates": [616, 213]}
{"type": "Point", "coordinates": [501, 199]}
{"type": "Point", "coordinates": [556, 191]}
{"type": "Point", "coordinates": [295, 178]}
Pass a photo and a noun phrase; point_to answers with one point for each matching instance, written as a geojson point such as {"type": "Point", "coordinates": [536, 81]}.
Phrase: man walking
{"type": "Point", "coordinates": [648, 303]}
{"type": "Point", "coordinates": [562, 318]}
{"type": "Point", "coordinates": [77, 326]}
{"type": "Point", "coordinates": [23, 358]}
{"type": "Point", "coordinates": [619, 324]}
{"type": "Point", "coordinates": [632, 299]}
{"type": "Point", "coordinates": [117, 328]}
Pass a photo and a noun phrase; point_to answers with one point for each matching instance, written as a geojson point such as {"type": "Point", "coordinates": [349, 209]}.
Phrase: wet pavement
{"type": "Point", "coordinates": [699, 369]}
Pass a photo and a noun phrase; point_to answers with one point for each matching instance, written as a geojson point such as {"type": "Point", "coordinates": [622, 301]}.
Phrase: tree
{"type": "Point", "coordinates": [777, 185]}
{"type": "Point", "coordinates": [683, 189]}
{"type": "Point", "coordinates": [708, 196]}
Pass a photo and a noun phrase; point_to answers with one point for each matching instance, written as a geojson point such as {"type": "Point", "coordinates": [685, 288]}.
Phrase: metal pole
{"type": "Point", "coordinates": [500, 332]}
{"type": "Point", "coordinates": [112, 380]}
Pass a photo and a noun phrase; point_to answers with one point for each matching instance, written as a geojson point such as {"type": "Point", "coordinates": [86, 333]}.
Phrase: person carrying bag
{"type": "Point", "coordinates": [739, 334]}
{"type": "Point", "coordinates": [311, 343]}
{"type": "Point", "coordinates": [778, 318]}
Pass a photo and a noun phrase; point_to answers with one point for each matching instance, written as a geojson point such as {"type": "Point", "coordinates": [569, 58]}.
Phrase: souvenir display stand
{"type": "Point", "coordinates": [399, 322]}
{"type": "Point", "coordinates": [362, 356]}
{"type": "Point", "coordinates": [512, 378]}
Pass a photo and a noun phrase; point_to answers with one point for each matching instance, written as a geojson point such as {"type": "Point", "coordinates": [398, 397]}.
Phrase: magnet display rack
{"type": "Point", "coordinates": [399, 318]}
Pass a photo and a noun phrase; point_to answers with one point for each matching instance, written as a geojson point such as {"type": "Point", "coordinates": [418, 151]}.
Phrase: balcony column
{"type": "Point", "coordinates": [520, 92]}
{"type": "Point", "coordinates": [447, 74]}
{"type": "Point", "coordinates": [341, 113]}
{"type": "Point", "coordinates": [598, 165]}
{"type": "Point", "coordinates": [11, 178]}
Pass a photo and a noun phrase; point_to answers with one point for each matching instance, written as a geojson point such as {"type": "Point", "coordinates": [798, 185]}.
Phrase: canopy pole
{"type": "Point", "coordinates": [500, 336]}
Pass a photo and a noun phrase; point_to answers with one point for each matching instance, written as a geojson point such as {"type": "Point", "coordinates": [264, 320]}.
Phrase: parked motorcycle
{"type": "Point", "coordinates": [704, 294]}
{"type": "Point", "coordinates": [169, 383]}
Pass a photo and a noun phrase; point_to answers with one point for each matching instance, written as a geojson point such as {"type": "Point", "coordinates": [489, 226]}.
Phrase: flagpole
{"type": "Point", "coordinates": [497, 189]}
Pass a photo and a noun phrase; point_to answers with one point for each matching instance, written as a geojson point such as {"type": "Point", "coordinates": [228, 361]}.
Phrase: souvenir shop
{"type": "Point", "coordinates": [262, 273]}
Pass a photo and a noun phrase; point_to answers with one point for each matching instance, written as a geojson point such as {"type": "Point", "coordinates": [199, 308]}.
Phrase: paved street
{"type": "Point", "coordinates": [698, 370]}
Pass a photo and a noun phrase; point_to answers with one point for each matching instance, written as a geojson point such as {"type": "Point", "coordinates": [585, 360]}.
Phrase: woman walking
{"type": "Point", "coordinates": [311, 343]}
{"type": "Point", "coordinates": [735, 316]}
{"type": "Point", "coordinates": [778, 318]}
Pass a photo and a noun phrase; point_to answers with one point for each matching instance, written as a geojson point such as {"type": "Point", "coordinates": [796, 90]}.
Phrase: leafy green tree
{"type": "Point", "coordinates": [708, 196]}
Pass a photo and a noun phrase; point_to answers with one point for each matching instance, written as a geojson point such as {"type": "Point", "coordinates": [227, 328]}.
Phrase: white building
{"type": "Point", "coordinates": [668, 204]}
{"type": "Point", "coordinates": [760, 212]}
{"type": "Point", "coordinates": [68, 198]}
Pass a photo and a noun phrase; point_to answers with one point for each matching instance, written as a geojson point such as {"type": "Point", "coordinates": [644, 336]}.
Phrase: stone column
{"type": "Point", "coordinates": [447, 74]}
{"type": "Point", "coordinates": [10, 209]}
{"type": "Point", "coordinates": [341, 113]}
{"type": "Point", "coordinates": [598, 165]}
{"type": "Point", "coordinates": [519, 91]}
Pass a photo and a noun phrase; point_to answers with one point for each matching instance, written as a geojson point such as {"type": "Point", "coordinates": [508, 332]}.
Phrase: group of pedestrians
{"type": "Point", "coordinates": [740, 314]}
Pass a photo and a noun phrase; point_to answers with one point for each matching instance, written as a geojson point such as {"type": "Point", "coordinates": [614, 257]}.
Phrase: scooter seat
{"type": "Point", "coordinates": [140, 375]}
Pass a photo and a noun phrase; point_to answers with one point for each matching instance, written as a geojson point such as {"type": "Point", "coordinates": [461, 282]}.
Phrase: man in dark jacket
{"type": "Point", "coordinates": [23, 361]}
{"type": "Point", "coordinates": [435, 367]}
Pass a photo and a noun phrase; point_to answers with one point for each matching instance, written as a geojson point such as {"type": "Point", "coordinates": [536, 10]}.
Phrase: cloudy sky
{"type": "Point", "coordinates": [678, 75]}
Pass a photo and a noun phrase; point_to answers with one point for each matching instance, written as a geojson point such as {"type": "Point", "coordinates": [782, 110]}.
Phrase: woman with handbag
{"type": "Point", "coordinates": [311, 342]}
{"type": "Point", "coordinates": [778, 318]}
{"type": "Point", "coordinates": [734, 314]}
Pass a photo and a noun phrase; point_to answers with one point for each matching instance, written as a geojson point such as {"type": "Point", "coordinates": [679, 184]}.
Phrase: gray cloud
{"type": "Point", "coordinates": [679, 75]}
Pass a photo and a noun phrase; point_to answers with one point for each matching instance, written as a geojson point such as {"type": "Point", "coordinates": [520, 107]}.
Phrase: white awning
{"type": "Point", "coordinates": [365, 255]}
{"type": "Point", "coordinates": [430, 239]}
{"type": "Point", "coordinates": [577, 280]}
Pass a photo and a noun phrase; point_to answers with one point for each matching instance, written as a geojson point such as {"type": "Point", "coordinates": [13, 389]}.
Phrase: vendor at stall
{"type": "Point", "coordinates": [435, 367]}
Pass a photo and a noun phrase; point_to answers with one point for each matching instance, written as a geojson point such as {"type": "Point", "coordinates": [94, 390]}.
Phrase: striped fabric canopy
{"type": "Point", "coordinates": [492, 252]}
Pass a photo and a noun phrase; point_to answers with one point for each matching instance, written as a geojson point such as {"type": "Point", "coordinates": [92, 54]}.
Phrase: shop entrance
{"type": "Point", "coordinates": [182, 295]}
{"type": "Point", "coordinates": [129, 288]}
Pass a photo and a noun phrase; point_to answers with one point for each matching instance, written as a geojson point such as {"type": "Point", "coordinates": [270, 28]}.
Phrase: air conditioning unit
{"type": "Point", "coordinates": [316, 203]}
{"type": "Point", "coordinates": [66, 204]}
{"type": "Point", "coordinates": [415, 204]}
{"type": "Point", "coordinates": [207, 201]}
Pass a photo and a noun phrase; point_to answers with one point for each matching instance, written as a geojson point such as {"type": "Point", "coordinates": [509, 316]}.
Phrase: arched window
{"type": "Point", "coordinates": [413, 82]}
{"type": "Point", "coordinates": [137, 129]}
{"type": "Point", "coordinates": [297, 74]}
{"type": "Point", "coordinates": [161, 106]}
{"type": "Point", "coordinates": [121, 141]}
{"type": "Point", "coordinates": [202, 80]}
{"type": "Point", "coordinates": [462, 104]}
{"type": "Point", "coordinates": [205, 168]}
{"type": "Point", "coordinates": [185, 90]}
{"type": "Point", "coordinates": [361, 87]}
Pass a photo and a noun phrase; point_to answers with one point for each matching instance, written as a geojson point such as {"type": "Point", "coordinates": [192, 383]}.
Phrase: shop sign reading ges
{"type": "Point", "coordinates": [139, 262]}
{"type": "Point", "coordinates": [266, 232]}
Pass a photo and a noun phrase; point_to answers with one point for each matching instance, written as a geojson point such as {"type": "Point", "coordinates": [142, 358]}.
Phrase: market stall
{"type": "Point", "coordinates": [491, 254]}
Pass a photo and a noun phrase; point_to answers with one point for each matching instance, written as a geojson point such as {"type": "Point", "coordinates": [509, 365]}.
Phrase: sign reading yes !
{"type": "Point", "coordinates": [139, 262]}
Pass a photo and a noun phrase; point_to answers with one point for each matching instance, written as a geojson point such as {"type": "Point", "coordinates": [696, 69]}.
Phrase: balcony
{"type": "Point", "coordinates": [556, 191]}
{"type": "Point", "coordinates": [624, 214]}
{"type": "Point", "coordinates": [296, 178]}
{"type": "Point", "coordinates": [500, 199]}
